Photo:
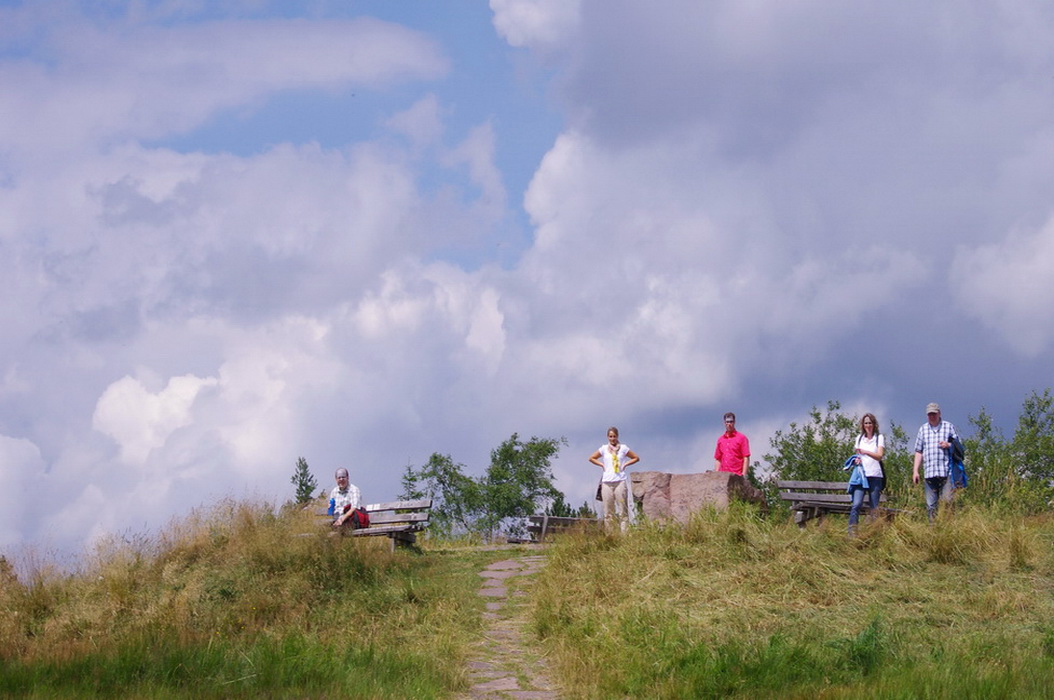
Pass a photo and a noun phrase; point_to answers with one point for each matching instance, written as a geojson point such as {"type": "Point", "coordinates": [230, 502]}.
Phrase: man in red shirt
{"type": "Point", "coordinates": [733, 449]}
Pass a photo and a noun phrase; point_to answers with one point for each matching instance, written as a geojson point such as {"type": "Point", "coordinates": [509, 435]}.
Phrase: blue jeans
{"type": "Point", "coordinates": [875, 484]}
{"type": "Point", "coordinates": [937, 488]}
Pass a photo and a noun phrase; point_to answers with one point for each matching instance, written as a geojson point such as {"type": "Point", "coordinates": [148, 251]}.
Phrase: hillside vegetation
{"type": "Point", "coordinates": [241, 602]}
{"type": "Point", "coordinates": [735, 605]}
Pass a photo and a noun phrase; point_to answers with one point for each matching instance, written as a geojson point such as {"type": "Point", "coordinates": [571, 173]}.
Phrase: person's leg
{"type": "Point", "coordinates": [621, 506]}
{"type": "Point", "coordinates": [947, 490]}
{"type": "Point", "coordinates": [607, 493]}
{"type": "Point", "coordinates": [934, 487]}
{"type": "Point", "coordinates": [874, 493]}
{"type": "Point", "coordinates": [854, 510]}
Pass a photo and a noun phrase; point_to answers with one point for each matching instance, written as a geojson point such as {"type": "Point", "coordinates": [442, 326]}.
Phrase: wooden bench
{"type": "Point", "coordinates": [540, 526]}
{"type": "Point", "coordinates": [400, 521]}
{"type": "Point", "coordinates": [815, 499]}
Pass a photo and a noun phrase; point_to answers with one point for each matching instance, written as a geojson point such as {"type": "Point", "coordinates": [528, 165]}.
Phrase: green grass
{"type": "Point", "coordinates": [737, 606]}
{"type": "Point", "coordinates": [240, 602]}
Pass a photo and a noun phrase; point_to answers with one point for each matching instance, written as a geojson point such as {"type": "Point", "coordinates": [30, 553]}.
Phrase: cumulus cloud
{"type": "Point", "coordinates": [140, 421]}
{"type": "Point", "coordinates": [150, 81]}
{"type": "Point", "coordinates": [23, 483]}
{"type": "Point", "coordinates": [539, 24]}
{"type": "Point", "coordinates": [1008, 287]}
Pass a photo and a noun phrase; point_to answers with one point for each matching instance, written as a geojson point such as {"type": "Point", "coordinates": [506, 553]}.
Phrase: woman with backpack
{"type": "Point", "coordinates": [870, 446]}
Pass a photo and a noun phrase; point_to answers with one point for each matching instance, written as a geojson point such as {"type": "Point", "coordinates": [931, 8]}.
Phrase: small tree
{"type": "Point", "coordinates": [1034, 438]}
{"type": "Point", "coordinates": [457, 501]}
{"type": "Point", "coordinates": [519, 480]}
{"type": "Point", "coordinates": [304, 481]}
{"type": "Point", "coordinates": [814, 451]}
{"type": "Point", "coordinates": [518, 483]}
{"type": "Point", "coordinates": [560, 508]}
{"type": "Point", "coordinates": [1013, 474]}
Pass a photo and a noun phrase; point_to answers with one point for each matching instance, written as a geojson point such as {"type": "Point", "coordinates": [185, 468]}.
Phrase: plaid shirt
{"type": "Point", "coordinates": [338, 499]}
{"type": "Point", "coordinates": [934, 459]}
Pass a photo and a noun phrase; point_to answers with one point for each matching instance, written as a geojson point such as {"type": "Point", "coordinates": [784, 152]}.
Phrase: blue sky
{"type": "Point", "coordinates": [233, 234]}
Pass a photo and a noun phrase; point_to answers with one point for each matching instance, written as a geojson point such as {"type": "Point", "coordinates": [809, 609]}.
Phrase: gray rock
{"type": "Point", "coordinates": [676, 496]}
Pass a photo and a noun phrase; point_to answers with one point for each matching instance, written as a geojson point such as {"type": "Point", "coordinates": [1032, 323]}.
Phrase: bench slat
{"type": "Point", "coordinates": [400, 505]}
{"type": "Point", "coordinates": [821, 497]}
{"type": "Point", "coordinates": [814, 485]}
{"type": "Point", "coordinates": [383, 530]}
{"type": "Point", "coordinates": [555, 521]}
{"type": "Point", "coordinates": [385, 517]}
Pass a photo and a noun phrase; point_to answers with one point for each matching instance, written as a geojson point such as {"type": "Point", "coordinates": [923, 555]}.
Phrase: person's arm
{"type": "Point", "coordinates": [354, 501]}
{"type": "Point", "coordinates": [595, 459]}
{"type": "Point", "coordinates": [879, 451]}
{"type": "Point", "coordinates": [946, 444]}
{"type": "Point", "coordinates": [717, 456]}
{"type": "Point", "coordinates": [633, 458]}
{"type": "Point", "coordinates": [915, 469]}
{"type": "Point", "coordinates": [341, 517]}
{"type": "Point", "coordinates": [746, 465]}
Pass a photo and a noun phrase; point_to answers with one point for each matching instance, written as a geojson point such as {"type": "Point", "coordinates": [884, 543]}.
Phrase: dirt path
{"type": "Point", "coordinates": [502, 665]}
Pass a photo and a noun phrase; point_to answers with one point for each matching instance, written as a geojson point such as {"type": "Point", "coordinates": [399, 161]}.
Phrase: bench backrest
{"type": "Point", "coordinates": [817, 492]}
{"type": "Point", "coordinates": [812, 485]}
{"type": "Point", "coordinates": [412, 514]}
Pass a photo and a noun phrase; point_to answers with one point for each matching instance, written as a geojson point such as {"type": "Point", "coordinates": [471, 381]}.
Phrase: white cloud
{"type": "Point", "coordinates": [1009, 287]}
{"type": "Point", "coordinates": [24, 487]}
{"type": "Point", "coordinates": [145, 81]}
{"type": "Point", "coordinates": [141, 421]}
{"type": "Point", "coordinates": [536, 23]}
{"type": "Point", "coordinates": [422, 122]}
{"type": "Point", "coordinates": [477, 153]}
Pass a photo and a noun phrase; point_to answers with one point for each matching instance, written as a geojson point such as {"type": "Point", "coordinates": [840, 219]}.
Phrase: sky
{"type": "Point", "coordinates": [237, 233]}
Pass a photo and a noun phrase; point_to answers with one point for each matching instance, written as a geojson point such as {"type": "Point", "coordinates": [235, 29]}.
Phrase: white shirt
{"type": "Point", "coordinates": [614, 460]}
{"type": "Point", "coordinates": [872, 467]}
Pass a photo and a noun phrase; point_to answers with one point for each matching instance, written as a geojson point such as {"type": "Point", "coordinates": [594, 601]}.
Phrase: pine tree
{"type": "Point", "coordinates": [304, 481]}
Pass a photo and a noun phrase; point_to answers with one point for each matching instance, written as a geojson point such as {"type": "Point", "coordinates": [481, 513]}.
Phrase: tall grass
{"type": "Point", "coordinates": [238, 601]}
{"type": "Point", "coordinates": [735, 605]}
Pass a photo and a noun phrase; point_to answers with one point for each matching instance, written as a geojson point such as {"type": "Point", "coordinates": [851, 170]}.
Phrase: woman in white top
{"type": "Point", "coordinates": [614, 458]}
{"type": "Point", "coordinates": [870, 447]}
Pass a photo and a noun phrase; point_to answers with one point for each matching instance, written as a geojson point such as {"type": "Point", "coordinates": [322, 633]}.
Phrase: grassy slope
{"type": "Point", "coordinates": [734, 605]}
{"type": "Point", "coordinates": [237, 602]}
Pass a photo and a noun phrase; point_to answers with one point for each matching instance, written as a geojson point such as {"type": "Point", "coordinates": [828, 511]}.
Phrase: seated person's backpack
{"type": "Point", "coordinates": [359, 519]}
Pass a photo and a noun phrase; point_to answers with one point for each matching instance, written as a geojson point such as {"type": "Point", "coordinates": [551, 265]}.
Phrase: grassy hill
{"type": "Point", "coordinates": [734, 605]}
{"type": "Point", "coordinates": [241, 602]}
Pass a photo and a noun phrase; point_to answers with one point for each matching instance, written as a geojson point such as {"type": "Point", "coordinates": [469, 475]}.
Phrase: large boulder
{"type": "Point", "coordinates": [662, 496]}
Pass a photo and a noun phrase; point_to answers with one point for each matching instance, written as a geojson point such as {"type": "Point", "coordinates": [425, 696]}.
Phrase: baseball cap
{"type": "Point", "coordinates": [933, 408]}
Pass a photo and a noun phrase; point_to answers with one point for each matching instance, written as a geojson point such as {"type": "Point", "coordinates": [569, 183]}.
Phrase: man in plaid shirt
{"type": "Point", "coordinates": [932, 450]}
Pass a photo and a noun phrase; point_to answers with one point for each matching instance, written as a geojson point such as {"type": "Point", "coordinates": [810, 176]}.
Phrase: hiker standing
{"type": "Point", "coordinates": [870, 446]}
{"type": "Point", "coordinates": [614, 458]}
{"type": "Point", "coordinates": [931, 450]}
{"type": "Point", "coordinates": [732, 453]}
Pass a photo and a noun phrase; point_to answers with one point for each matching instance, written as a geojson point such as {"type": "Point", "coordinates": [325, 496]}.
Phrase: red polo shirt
{"type": "Point", "coordinates": [730, 451]}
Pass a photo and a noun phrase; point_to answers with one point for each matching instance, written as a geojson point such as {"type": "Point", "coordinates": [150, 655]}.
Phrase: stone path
{"type": "Point", "coordinates": [502, 666]}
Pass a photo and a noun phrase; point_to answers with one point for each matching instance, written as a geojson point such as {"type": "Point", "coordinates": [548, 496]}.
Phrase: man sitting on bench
{"type": "Point", "coordinates": [344, 500]}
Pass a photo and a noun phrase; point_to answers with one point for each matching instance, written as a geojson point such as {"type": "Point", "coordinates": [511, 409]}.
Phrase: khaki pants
{"type": "Point", "coordinates": [613, 494]}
